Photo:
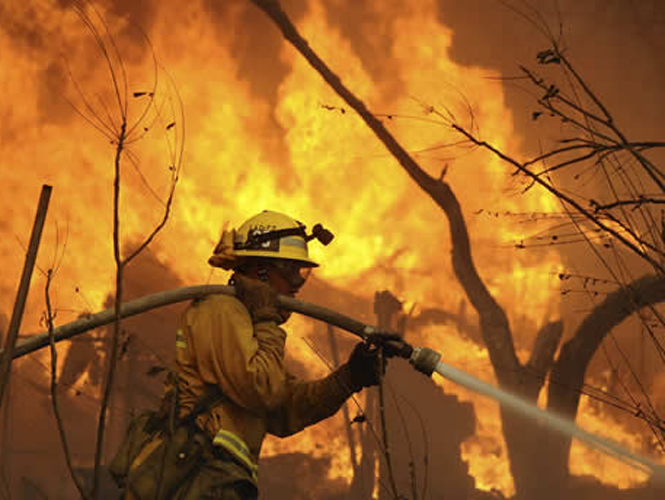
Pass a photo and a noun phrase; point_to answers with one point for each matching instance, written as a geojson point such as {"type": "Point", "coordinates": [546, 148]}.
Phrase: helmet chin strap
{"type": "Point", "coordinates": [262, 272]}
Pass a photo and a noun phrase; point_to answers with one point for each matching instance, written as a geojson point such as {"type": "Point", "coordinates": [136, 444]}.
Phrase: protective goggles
{"type": "Point", "coordinates": [293, 272]}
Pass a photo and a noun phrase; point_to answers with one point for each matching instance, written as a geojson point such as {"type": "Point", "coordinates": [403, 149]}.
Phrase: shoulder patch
{"type": "Point", "coordinates": [180, 339]}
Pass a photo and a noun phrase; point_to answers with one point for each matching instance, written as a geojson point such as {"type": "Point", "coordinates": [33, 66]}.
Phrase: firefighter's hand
{"type": "Point", "coordinates": [366, 366]}
{"type": "Point", "coordinates": [259, 298]}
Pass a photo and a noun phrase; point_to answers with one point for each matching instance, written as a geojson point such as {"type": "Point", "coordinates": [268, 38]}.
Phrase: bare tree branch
{"type": "Point", "coordinates": [636, 202]}
{"type": "Point", "coordinates": [570, 367]}
{"type": "Point", "coordinates": [386, 306]}
{"type": "Point", "coordinates": [494, 324]}
{"type": "Point", "coordinates": [115, 336]}
{"type": "Point", "coordinates": [334, 350]}
{"type": "Point", "coordinates": [54, 386]}
{"type": "Point", "coordinates": [544, 349]}
{"type": "Point", "coordinates": [493, 319]}
{"type": "Point", "coordinates": [563, 197]}
{"type": "Point", "coordinates": [123, 133]}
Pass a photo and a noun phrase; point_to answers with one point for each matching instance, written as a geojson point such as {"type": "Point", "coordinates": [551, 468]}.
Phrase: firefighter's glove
{"type": "Point", "coordinates": [366, 366]}
{"type": "Point", "coordinates": [259, 298]}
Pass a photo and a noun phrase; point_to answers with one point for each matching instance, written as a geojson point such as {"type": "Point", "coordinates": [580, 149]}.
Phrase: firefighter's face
{"type": "Point", "coordinates": [287, 277]}
{"type": "Point", "coordinates": [279, 283]}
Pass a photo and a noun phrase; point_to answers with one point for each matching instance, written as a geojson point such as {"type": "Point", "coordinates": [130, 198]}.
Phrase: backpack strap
{"type": "Point", "coordinates": [211, 397]}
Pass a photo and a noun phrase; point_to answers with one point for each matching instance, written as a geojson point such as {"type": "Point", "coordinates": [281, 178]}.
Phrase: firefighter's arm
{"type": "Point", "coordinates": [243, 358]}
{"type": "Point", "coordinates": [309, 402]}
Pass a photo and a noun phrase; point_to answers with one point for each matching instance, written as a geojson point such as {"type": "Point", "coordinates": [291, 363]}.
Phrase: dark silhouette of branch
{"type": "Point", "coordinates": [570, 367]}
{"type": "Point", "coordinates": [565, 198]}
{"type": "Point", "coordinates": [636, 202]}
{"type": "Point", "coordinates": [600, 142]}
{"type": "Point", "coordinates": [608, 121]}
{"type": "Point", "coordinates": [334, 350]}
{"type": "Point", "coordinates": [567, 149]}
{"type": "Point", "coordinates": [122, 133]}
{"type": "Point", "coordinates": [115, 336]}
{"type": "Point", "coordinates": [567, 163]}
{"type": "Point", "coordinates": [54, 386]}
{"type": "Point", "coordinates": [544, 349]}
{"type": "Point", "coordinates": [553, 94]}
{"type": "Point", "coordinates": [494, 322]}
{"type": "Point", "coordinates": [633, 148]}
{"type": "Point", "coordinates": [386, 442]}
{"type": "Point", "coordinates": [413, 479]}
{"type": "Point", "coordinates": [362, 417]}
{"type": "Point", "coordinates": [386, 306]}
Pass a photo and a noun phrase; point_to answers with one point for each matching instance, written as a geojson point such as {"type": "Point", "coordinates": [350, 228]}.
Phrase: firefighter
{"type": "Point", "coordinates": [233, 349]}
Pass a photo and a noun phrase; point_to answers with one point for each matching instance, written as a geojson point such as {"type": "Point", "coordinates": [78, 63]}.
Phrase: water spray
{"type": "Point", "coordinates": [423, 359]}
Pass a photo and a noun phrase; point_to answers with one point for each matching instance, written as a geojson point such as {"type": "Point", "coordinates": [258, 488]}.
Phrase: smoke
{"type": "Point", "coordinates": [256, 44]}
{"type": "Point", "coordinates": [616, 45]}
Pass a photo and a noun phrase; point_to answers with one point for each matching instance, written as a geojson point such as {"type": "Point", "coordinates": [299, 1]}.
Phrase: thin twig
{"type": "Point", "coordinates": [639, 201]}
{"type": "Point", "coordinates": [539, 82]}
{"type": "Point", "coordinates": [563, 197]}
{"type": "Point", "coordinates": [345, 408]}
{"type": "Point", "coordinates": [412, 465]}
{"type": "Point", "coordinates": [362, 410]}
{"type": "Point", "coordinates": [121, 135]}
{"type": "Point", "coordinates": [384, 433]}
{"type": "Point", "coordinates": [54, 387]}
{"type": "Point", "coordinates": [115, 336]}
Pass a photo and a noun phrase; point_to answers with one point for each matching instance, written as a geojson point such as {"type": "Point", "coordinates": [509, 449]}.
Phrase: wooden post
{"type": "Point", "coordinates": [24, 286]}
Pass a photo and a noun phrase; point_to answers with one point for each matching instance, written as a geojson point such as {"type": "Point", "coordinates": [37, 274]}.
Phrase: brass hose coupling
{"type": "Point", "coordinates": [425, 360]}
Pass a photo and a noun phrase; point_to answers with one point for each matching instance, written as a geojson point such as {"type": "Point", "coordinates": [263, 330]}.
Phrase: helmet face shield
{"type": "Point", "coordinates": [293, 272]}
{"type": "Point", "coordinates": [304, 273]}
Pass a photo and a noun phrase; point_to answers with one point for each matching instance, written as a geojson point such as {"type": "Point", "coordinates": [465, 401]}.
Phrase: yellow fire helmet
{"type": "Point", "coordinates": [270, 235]}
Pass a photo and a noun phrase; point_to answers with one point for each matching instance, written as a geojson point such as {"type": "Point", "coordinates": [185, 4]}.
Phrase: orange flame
{"type": "Point", "coordinates": [304, 157]}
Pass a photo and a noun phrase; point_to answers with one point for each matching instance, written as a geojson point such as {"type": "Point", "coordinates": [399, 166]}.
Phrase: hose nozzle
{"type": "Point", "coordinates": [425, 360]}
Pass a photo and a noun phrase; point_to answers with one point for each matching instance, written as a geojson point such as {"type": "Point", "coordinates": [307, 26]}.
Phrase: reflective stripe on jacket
{"type": "Point", "coordinates": [217, 344]}
{"type": "Point", "coordinates": [237, 447]}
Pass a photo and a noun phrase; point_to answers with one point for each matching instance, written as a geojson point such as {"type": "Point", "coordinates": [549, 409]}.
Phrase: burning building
{"type": "Point", "coordinates": [262, 130]}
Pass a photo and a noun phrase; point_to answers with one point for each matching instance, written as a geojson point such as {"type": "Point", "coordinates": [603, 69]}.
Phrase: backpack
{"type": "Point", "coordinates": [160, 451]}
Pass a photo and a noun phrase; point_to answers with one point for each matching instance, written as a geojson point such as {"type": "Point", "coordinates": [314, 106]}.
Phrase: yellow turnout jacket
{"type": "Point", "coordinates": [218, 344]}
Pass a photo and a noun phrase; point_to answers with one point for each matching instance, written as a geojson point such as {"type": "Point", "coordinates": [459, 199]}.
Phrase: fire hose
{"type": "Point", "coordinates": [423, 359]}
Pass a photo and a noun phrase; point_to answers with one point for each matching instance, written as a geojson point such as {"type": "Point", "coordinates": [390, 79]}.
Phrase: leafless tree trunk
{"type": "Point", "coordinates": [49, 316]}
{"type": "Point", "coordinates": [533, 474]}
{"type": "Point", "coordinates": [569, 369]}
{"type": "Point", "coordinates": [122, 134]}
